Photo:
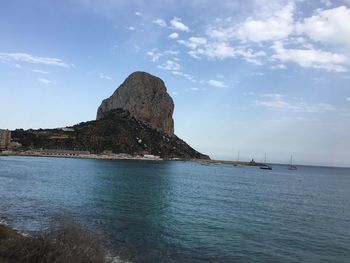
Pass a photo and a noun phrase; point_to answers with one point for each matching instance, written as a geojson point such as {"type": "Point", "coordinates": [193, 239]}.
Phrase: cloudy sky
{"type": "Point", "coordinates": [251, 76]}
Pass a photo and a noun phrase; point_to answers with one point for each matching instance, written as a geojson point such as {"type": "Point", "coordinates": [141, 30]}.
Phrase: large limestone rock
{"type": "Point", "coordinates": [145, 97]}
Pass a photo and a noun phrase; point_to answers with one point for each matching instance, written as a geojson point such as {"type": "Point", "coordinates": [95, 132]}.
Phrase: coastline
{"type": "Point", "coordinates": [122, 156]}
{"type": "Point", "coordinates": [86, 156]}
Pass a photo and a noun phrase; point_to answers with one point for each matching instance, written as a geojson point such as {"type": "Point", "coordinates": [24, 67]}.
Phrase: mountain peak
{"type": "Point", "coordinates": [146, 98]}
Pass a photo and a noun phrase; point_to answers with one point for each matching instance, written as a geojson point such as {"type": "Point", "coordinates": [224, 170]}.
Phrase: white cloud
{"type": "Point", "coordinates": [104, 76]}
{"type": "Point", "coordinates": [224, 33]}
{"type": "Point", "coordinates": [185, 75]}
{"type": "Point", "coordinates": [160, 22]}
{"type": "Point", "coordinates": [216, 50]}
{"type": "Point", "coordinates": [250, 55]}
{"type": "Point", "coordinates": [311, 58]}
{"type": "Point", "coordinates": [174, 35]}
{"type": "Point", "coordinates": [328, 26]}
{"type": "Point", "coordinates": [348, 99]}
{"type": "Point", "coordinates": [156, 55]}
{"type": "Point", "coordinates": [170, 52]}
{"type": "Point", "coordinates": [227, 39]}
{"type": "Point", "coordinates": [193, 42]}
{"type": "Point", "coordinates": [275, 101]}
{"type": "Point", "coordinates": [45, 81]}
{"type": "Point", "coordinates": [137, 14]}
{"type": "Point", "coordinates": [27, 58]}
{"type": "Point", "coordinates": [278, 66]}
{"type": "Point", "coordinates": [131, 28]}
{"type": "Point", "coordinates": [197, 40]}
{"type": "Point", "coordinates": [277, 26]}
{"type": "Point", "coordinates": [170, 65]}
{"type": "Point", "coordinates": [221, 50]}
{"type": "Point", "coordinates": [327, 3]}
{"type": "Point", "coordinates": [40, 71]}
{"type": "Point", "coordinates": [216, 83]}
{"type": "Point", "coordinates": [177, 24]}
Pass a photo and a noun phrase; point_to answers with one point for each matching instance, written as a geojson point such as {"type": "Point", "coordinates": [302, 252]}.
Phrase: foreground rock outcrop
{"type": "Point", "coordinates": [145, 97]}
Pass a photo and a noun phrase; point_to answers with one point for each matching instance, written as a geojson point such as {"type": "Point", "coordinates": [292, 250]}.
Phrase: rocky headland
{"type": "Point", "coordinates": [146, 98]}
{"type": "Point", "coordinates": [136, 120]}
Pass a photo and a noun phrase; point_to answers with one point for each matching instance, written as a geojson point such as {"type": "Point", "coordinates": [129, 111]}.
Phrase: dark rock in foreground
{"type": "Point", "coordinates": [117, 131]}
{"type": "Point", "coordinates": [65, 242]}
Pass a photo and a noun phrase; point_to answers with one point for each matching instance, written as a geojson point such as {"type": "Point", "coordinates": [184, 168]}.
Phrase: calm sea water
{"type": "Point", "coordinates": [185, 211]}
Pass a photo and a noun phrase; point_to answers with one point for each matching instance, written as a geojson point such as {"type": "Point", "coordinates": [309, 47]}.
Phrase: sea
{"type": "Point", "coordinates": [184, 211]}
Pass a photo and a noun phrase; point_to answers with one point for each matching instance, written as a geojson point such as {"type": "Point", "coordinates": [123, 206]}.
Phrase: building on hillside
{"type": "Point", "coordinates": [5, 139]}
{"type": "Point", "coordinates": [66, 129]}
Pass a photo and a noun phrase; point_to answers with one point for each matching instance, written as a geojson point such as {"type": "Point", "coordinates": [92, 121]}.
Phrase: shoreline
{"type": "Point", "coordinates": [127, 157]}
{"type": "Point", "coordinates": [86, 156]}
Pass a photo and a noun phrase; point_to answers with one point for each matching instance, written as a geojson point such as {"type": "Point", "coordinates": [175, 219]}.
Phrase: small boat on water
{"type": "Point", "coordinates": [265, 167]}
{"type": "Point", "coordinates": [291, 166]}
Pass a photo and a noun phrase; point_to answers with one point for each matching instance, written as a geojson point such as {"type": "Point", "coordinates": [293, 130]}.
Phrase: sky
{"type": "Point", "coordinates": [252, 76]}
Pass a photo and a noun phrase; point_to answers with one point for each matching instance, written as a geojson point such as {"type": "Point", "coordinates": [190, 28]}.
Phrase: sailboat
{"type": "Point", "coordinates": [291, 166]}
{"type": "Point", "coordinates": [265, 166]}
{"type": "Point", "coordinates": [237, 161]}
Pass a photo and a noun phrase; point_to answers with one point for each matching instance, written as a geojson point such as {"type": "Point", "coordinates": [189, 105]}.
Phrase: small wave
{"type": "Point", "coordinates": [115, 259]}
{"type": "Point", "coordinates": [3, 222]}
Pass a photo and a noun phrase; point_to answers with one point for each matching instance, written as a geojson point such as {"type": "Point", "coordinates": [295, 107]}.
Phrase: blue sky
{"type": "Point", "coordinates": [251, 76]}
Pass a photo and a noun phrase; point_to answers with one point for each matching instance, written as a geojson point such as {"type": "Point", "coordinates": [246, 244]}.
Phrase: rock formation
{"type": "Point", "coordinates": [136, 119]}
{"type": "Point", "coordinates": [145, 97]}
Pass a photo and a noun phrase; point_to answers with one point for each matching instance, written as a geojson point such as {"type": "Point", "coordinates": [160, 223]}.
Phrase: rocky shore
{"type": "Point", "coordinates": [64, 242]}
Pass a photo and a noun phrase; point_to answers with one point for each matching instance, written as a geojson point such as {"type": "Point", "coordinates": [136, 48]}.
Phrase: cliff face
{"type": "Point", "coordinates": [145, 97]}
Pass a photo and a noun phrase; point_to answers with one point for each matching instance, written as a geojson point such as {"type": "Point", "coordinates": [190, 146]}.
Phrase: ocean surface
{"type": "Point", "coordinates": [186, 211]}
